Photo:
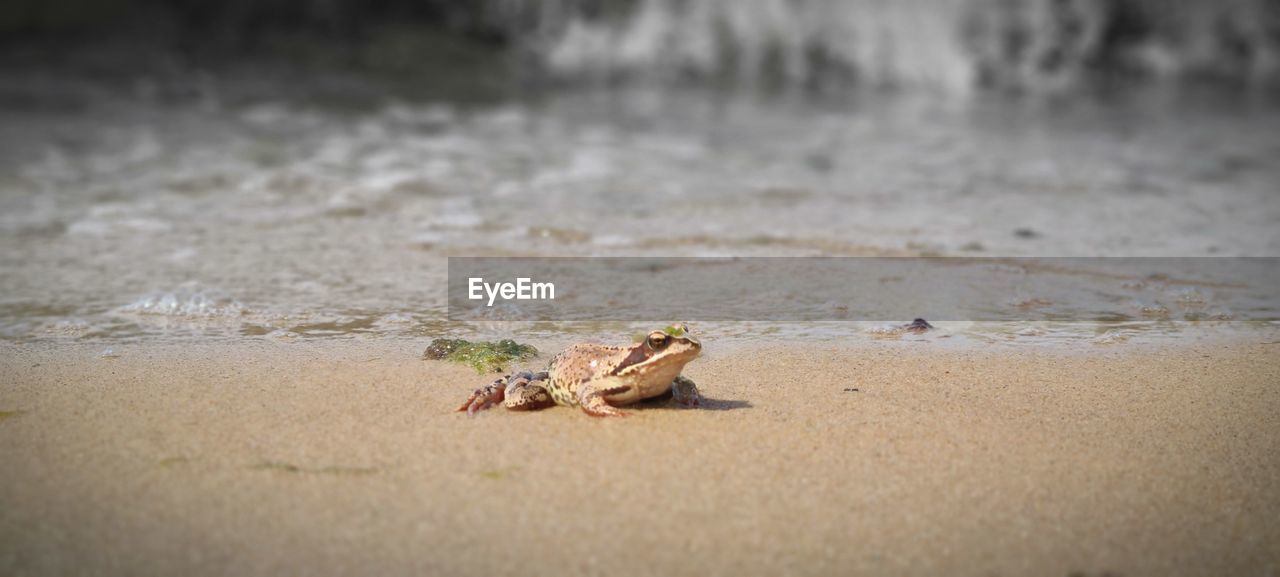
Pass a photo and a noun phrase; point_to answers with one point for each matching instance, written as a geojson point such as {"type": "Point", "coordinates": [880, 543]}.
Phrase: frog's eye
{"type": "Point", "coordinates": [657, 340]}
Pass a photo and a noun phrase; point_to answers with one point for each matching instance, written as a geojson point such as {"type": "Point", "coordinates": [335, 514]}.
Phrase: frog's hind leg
{"type": "Point", "coordinates": [486, 396]}
{"type": "Point", "coordinates": [519, 392]}
{"type": "Point", "coordinates": [525, 392]}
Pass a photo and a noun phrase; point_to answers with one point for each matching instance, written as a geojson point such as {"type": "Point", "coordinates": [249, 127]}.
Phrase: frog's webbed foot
{"type": "Point", "coordinates": [684, 392]}
{"type": "Point", "coordinates": [591, 398]}
{"type": "Point", "coordinates": [526, 393]}
{"type": "Point", "coordinates": [485, 397]}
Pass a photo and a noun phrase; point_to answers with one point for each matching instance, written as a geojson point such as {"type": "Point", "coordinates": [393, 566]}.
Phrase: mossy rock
{"type": "Point", "coordinates": [482, 356]}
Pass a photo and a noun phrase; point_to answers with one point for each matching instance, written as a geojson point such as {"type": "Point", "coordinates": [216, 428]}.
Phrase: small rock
{"type": "Point", "coordinates": [917, 326]}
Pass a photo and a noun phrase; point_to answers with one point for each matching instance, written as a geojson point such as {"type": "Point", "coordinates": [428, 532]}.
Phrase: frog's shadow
{"type": "Point", "coordinates": [705, 404]}
{"type": "Point", "coordinates": [709, 404]}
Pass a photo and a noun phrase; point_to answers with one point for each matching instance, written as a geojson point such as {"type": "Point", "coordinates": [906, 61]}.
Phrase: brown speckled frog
{"type": "Point", "coordinates": [599, 378]}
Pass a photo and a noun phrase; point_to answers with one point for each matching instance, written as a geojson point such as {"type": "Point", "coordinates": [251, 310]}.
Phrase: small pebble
{"type": "Point", "coordinates": [918, 326]}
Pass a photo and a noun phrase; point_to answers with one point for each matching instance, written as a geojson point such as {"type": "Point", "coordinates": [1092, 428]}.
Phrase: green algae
{"type": "Point", "coordinates": [481, 355]}
{"type": "Point", "coordinates": [6, 414]}
{"type": "Point", "coordinates": [498, 474]}
{"type": "Point", "coordinates": [277, 466]}
{"type": "Point", "coordinates": [674, 331]}
{"type": "Point", "coordinates": [283, 467]}
{"type": "Point", "coordinates": [345, 471]}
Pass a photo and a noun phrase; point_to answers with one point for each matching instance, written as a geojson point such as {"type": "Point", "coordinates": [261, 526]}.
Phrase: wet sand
{"type": "Point", "coordinates": [342, 457]}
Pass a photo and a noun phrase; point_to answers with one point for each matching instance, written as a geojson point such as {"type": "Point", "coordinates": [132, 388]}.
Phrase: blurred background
{"type": "Point", "coordinates": [302, 167]}
{"type": "Point", "coordinates": [786, 45]}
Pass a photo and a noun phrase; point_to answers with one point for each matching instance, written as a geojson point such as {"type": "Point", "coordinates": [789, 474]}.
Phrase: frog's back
{"type": "Point", "coordinates": [574, 366]}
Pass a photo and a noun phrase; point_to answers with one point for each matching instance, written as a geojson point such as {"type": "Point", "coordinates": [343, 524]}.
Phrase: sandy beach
{"type": "Point", "coordinates": [228, 231]}
{"type": "Point", "coordinates": [343, 457]}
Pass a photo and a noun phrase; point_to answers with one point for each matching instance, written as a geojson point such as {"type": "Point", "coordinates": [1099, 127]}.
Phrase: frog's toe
{"type": "Point", "coordinates": [603, 409]}
{"type": "Point", "coordinates": [484, 397]}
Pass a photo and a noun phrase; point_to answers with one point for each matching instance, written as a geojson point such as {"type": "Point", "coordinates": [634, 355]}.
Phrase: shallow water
{"type": "Point", "coordinates": [130, 219]}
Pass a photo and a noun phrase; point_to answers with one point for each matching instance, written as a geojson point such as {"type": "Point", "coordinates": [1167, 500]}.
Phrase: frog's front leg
{"type": "Point", "coordinates": [682, 392]}
{"type": "Point", "coordinates": [685, 392]}
{"type": "Point", "coordinates": [591, 397]}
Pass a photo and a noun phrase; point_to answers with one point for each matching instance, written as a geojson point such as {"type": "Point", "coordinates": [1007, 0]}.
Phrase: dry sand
{"type": "Point", "coordinates": [342, 457]}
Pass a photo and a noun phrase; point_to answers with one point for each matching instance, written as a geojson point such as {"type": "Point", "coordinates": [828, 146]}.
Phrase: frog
{"type": "Point", "coordinates": [600, 378]}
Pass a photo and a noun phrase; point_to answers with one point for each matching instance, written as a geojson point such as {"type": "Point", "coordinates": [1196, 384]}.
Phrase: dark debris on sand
{"type": "Point", "coordinates": [918, 326]}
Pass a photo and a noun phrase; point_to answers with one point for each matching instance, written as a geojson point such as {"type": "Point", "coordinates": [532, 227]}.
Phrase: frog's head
{"type": "Point", "coordinates": [661, 355]}
{"type": "Point", "coordinates": [672, 343]}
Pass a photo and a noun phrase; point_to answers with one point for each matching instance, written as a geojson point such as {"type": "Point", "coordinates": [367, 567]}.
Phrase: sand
{"type": "Point", "coordinates": [342, 457]}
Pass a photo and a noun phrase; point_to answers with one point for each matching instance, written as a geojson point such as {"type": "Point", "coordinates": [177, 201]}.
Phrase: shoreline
{"type": "Point", "coordinates": [344, 456]}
